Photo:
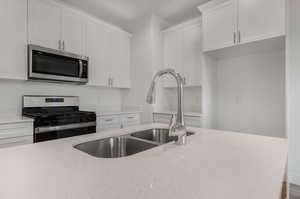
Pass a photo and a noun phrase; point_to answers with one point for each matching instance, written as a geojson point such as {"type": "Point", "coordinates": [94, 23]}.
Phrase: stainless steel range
{"type": "Point", "coordinates": [57, 117]}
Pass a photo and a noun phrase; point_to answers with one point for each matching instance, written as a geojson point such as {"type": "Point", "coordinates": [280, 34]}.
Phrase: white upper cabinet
{"type": "Point", "coordinates": [98, 46]}
{"type": "Point", "coordinates": [219, 26]}
{"type": "Point", "coordinates": [44, 23]}
{"type": "Point", "coordinates": [192, 55]}
{"type": "Point", "coordinates": [261, 19]}
{"type": "Point", "coordinates": [182, 52]}
{"type": "Point", "coordinates": [54, 26]}
{"type": "Point", "coordinates": [13, 39]}
{"type": "Point", "coordinates": [73, 32]}
{"type": "Point", "coordinates": [109, 52]}
{"type": "Point", "coordinates": [232, 22]}
{"type": "Point", "coordinates": [120, 61]}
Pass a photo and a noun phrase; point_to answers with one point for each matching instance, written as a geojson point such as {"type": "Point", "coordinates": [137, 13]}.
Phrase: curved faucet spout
{"type": "Point", "coordinates": [152, 92]}
{"type": "Point", "coordinates": [180, 85]}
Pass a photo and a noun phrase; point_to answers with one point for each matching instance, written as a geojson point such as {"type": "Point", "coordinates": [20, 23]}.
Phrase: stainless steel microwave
{"type": "Point", "coordinates": [55, 65]}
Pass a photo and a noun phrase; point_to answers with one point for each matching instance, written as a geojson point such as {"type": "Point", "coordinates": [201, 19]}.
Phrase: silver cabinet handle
{"type": "Point", "coordinates": [59, 44]}
{"type": "Point", "coordinates": [234, 37]}
{"type": "Point", "coordinates": [239, 36]}
{"type": "Point", "coordinates": [109, 82]}
{"type": "Point", "coordinates": [63, 45]}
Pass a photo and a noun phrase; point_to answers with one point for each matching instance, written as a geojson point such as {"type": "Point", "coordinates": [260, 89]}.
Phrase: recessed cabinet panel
{"type": "Point", "coordinates": [261, 19]}
{"type": "Point", "coordinates": [120, 67]}
{"type": "Point", "coordinates": [72, 32]}
{"type": "Point", "coordinates": [219, 26]}
{"type": "Point", "coordinates": [44, 23]}
{"type": "Point", "coordinates": [13, 39]}
{"type": "Point", "coordinates": [232, 22]}
{"type": "Point", "coordinates": [183, 52]}
{"type": "Point", "coordinates": [98, 45]}
{"type": "Point", "coordinates": [192, 55]}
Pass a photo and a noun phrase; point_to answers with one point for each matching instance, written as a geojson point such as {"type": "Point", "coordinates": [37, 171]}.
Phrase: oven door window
{"type": "Point", "coordinates": [50, 64]}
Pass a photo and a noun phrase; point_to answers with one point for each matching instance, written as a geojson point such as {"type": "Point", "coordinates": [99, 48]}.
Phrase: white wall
{"type": "Point", "coordinates": [251, 94]}
{"type": "Point", "coordinates": [145, 60]}
{"type": "Point", "coordinates": [91, 98]}
{"type": "Point", "coordinates": [293, 90]}
{"type": "Point", "coordinates": [192, 100]}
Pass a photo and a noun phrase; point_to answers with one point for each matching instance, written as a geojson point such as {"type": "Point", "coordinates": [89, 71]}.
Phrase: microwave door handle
{"type": "Point", "coordinates": [80, 68]}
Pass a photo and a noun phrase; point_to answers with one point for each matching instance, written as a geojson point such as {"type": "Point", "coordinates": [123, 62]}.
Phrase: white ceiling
{"type": "Point", "coordinates": [124, 13]}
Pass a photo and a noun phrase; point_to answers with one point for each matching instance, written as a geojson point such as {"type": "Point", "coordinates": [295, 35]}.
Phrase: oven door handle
{"type": "Point", "coordinates": [48, 129]}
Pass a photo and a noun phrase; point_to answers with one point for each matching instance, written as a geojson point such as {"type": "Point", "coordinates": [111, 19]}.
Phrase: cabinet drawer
{"type": "Point", "coordinates": [17, 141]}
{"type": "Point", "coordinates": [16, 125]}
{"type": "Point", "coordinates": [16, 130]}
{"type": "Point", "coordinates": [108, 122]}
{"type": "Point", "coordinates": [131, 119]}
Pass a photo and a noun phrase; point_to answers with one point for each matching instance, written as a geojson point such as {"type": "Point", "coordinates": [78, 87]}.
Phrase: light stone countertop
{"type": "Point", "coordinates": [213, 165]}
{"type": "Point", "coordinates": [193, 114]}
{"type": "Point", "coordinates": [107, 113]}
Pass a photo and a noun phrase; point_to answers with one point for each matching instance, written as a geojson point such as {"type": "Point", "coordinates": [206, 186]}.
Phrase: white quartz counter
{"type": "Point", "coordinates": [193, 114]}
{"type": "Point", "coordinates": [103, 113]}
{"type": "Point", "coordinates": [213, 165]}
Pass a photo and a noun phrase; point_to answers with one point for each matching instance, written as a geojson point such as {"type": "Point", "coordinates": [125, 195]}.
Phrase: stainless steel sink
{"type": "Point", "coordinates": [160, 136]}
{"type": "Point", "coordinates": [115, 147]}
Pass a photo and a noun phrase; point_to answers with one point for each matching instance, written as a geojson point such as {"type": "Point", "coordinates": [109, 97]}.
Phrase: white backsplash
{"type": "Point", "coordinates": [192, 99]}
{"type": "Point", "coordinates": [91, 98]}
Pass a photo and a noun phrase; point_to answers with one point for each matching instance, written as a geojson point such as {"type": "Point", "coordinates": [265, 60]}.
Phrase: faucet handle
{"type": "Point", "coordinates": [172, 125]}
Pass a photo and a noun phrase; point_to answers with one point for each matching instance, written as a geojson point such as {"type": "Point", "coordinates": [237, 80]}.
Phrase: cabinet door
{"type": "Point", "coordinates": [132, 119]}
{"type": "Point", "coordinates": [192, 54]}
{"type": "Point", "coordinates": [13, 39]}
{"type": "Point", "coordinates": [72, 32]}
{"type": "Point", "coordinates": [108, 122]}
{"type": "Point", "coordinates": [261, 19]}
{"type": "Point", "coordinates": [16, 141]}
{"type": "Point", "coordinates": [172, 55]}
{"type": "Point", "coordinates": [120, 73]}
{"type": "Point", "coordinates": [98, 47]}
{"type": "Point", "coordinates": [219, 26]}
{"type": "Point", "coordinates": [44, 23]}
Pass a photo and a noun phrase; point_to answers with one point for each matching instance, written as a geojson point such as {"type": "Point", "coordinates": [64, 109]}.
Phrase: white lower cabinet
{"type": "Point", "coordinates": [108, 122]}
{"type": "Point", "coordinates": [17, 141]}
{"type": "Point", "coordinates": [130, 119]}
{"type": "Point", "coordinates": [117, 121]}
{"type": "Point", "coordinates": [15, 134]}
{"type": "Point", "coordinates": [190, 120]}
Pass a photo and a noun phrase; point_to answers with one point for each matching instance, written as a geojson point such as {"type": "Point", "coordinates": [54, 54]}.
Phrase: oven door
{"type": "Point", "coordinates": [49, 64]}
{"type": "Point", "coordinates": [57, 132]}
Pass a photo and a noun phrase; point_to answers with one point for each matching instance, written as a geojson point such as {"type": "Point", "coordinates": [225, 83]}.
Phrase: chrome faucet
{"type": "Point", "coordinates": [177, 126]}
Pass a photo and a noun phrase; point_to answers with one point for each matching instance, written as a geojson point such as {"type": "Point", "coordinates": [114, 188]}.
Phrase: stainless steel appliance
{"type": "Point", "coordinates": [57, 117]}
{"type": "Point", "coordinates": [55, 65]}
